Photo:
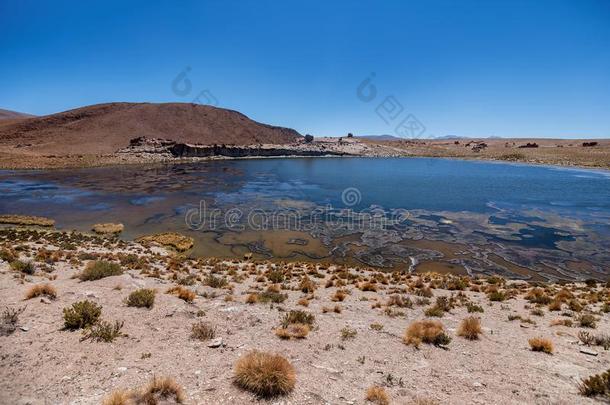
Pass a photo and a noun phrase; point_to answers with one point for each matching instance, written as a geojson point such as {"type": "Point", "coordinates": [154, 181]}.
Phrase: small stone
{"type": "Point", "coordinates": [24, 328]}
{"type": "Point", "coordinates": [45, 300]}
{"type": "Point", "coordinates": [121, 369]}
{"type": "Point", "coordinates": [215, 343]}
{"type": "Point", "coordinates": [588, 351]}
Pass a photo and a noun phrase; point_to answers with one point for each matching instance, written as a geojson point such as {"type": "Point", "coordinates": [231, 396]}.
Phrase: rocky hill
{"type": "Point", "coordinates": [105, 128]}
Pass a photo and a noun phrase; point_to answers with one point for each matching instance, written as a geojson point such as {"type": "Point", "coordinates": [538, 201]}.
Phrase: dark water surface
{"type": "Point", "coordinates": [407, 213]}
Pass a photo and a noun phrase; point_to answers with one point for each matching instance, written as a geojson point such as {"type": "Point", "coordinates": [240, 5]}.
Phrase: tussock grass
{"type": "Point", "coordinates": [41, 289]}
{"type": "Point", "coordinates": [182, 292]}
{"type": "Point", "coordinates": [470, 328]}
{"type": "Point", "coordinates": [377, 395]}
{"type": "Point", "coordinates": [142, 298]}
{"type": "Point", "coordinates": [264, 374]}
{"type": "Point", "coordinates": [293, 331]}
{"type": "Point", "coordinates": [426, 331]}
{"type": "Point", "coordinates": [587, 321]}
{"type": "Point", "coordinates": [9, 320]}
{"type": "Point", "coordinates": [203, 331]}
{"type": "Point", "coordinates": [596, 385]}
{"type": "Point", "coordinates": [539, 344]}
{"type": "Point", "coordinates": [26, 267]}
{"type": "Point", "coordinates": [298, 316]}
{"type": "Point", "coordinates": [98, 269]}
{"type": "Point", "coordinates": [161, 388]}
{"type": "Point", "coordinates": [103, 331]}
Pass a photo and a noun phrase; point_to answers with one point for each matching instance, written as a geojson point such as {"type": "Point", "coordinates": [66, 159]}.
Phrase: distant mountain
{"type": "Point", "coordinates": [105, 128]}
{"type": "Point", "coordinates": [450, 137]}
{"type": "Point", "coordinates": [10, 115]}
{"type": "Point", "coordinates": [379, 137]}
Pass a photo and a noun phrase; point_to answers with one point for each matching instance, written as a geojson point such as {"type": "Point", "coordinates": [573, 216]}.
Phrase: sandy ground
{"type": "Point", "coordinates": [550, 152]}
{"type": "Point", "coordinates": [42, 364]}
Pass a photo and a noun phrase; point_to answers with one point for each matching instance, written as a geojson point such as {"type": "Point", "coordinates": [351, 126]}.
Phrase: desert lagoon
{"type": "Point", "coordinates": [414, 214]}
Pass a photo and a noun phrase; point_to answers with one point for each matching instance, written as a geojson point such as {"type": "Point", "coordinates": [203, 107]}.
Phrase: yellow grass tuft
{"type": "Point", "coordinates": [264, 374]}
{"type": "Point", "coordinates": [539, 344]}
{"type": "Point", "coordinates": [294, 330]}
{"type": "Point", "coordinates": [377, 395]}
{"type": "Point", "coordinates": [431, 332]}
{"type": "Point", "coordinates": [41, 289]}
{"type": "Point", "coordinates": [120, 397]}
{"type": "Point", "coordinates": [470, 328]}
{"type": "Point", "coordinates": [182, 292]}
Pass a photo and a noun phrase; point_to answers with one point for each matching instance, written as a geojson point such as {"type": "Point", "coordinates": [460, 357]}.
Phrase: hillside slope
{"type": "Point", "coordinates": [104, 128]}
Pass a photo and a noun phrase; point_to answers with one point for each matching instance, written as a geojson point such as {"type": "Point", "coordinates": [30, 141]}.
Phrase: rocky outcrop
{"type": "Point", "coordinates": [183, 150]}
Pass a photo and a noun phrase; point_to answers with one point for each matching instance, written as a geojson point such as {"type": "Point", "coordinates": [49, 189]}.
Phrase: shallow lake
{"type": "Point", "coordinates": [415, 214]}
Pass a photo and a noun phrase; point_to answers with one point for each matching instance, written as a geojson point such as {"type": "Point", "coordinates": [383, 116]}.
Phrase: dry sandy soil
{"type": "Point", "coordinates": [41, 364]}
{"type": "Point", "coordinates": [562, 152]}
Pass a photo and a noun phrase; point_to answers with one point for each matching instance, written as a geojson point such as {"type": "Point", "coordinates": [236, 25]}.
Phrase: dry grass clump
{"type": "Point", "coordinates": [590, 339]}
{"type": "Point", "coordinates": [104, 331]}
{"type": "Point", "coordinates": [339, 296]}
{"type": "Point", "coordinates": [161, 390]}
{"type": "Point", "coordinates": [142, 298]}
{"type": "Point", "coordinates": [81, 315]}
{"type": "Point", "coordinates": [9, 320]}
{"type": "Point", "coordinates": [348, 333]}
{"type": "Point", "coordinates": [587, 321]}
{"type": "Point", "coordinates": [303, 302]}
{"type": "Point", "coordinates": [470, 328]}
{"type": "Point", "coordinates": [497, 296]}
{"type": "Point", "coordinates": [426, 331]}
{"type": "Point", "coordinates": [41, 289]}
{"type": "Point", "coordinates": [368, 286]}
{"type": "Point", "coordinates": [539, 344]}
{"type": "Point", "coordinates": [293, 330]}
{"type": "Point", "coordinates": [182, 292]}
{"type": "Point", "coordinates": [26, 267]}
{"type": "Point", "coordinates": [298, 316]}
{"type": "Point", "coordinates": [203, 331]}
{"type": "Point", "coordinates": [272, 296]}
{"type": "Point", "coordinates": [264, 374]}
{"type": "Point", "coordinates": [471, 307]}
{"type": "Point", "coordinates": [596, 385]}
{"type": "Point", "coordinates": [252, 298]}
{"type": "Point", "coordinates": [307, 285]}
{"type": "Point", "coordinates": [99, 269]}
{"type": "Point", "coordinates": [562, 322]}
{"type": "Point", "coordinates": [119, 397]}
{"type": "Point", "coordinates": [215, 282]}
{"type": "Point", "coordinates": [376, 326]}
{"type": "Point", "coordinates": [377, 395]}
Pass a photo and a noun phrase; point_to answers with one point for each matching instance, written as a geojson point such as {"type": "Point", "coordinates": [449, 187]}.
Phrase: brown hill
{"type": "Point", "coordinates": [11, 115]}
{"type": "Point", "coordinates": [105, 128]}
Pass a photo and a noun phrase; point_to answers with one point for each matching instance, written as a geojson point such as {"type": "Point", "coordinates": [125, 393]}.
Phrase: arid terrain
{"type": "Point", "coordinates": [350, 335]}
{"type": "Point", "coordinates": [100, 135]}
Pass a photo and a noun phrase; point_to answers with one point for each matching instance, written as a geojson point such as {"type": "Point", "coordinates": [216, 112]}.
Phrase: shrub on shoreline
{"type": "Point", "coordinates": [98, 269]}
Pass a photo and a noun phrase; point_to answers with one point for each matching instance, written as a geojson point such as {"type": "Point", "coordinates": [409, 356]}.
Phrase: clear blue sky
{"type": "Point", "coordinates": [477, 68]}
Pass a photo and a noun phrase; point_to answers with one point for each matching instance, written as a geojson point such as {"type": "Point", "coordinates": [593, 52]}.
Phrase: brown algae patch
{"type": "Point", "coordinates": [108, 228]}
{"type": "Point", "coordinates": [172, 239]}
{"type": "Point", "coordinates": [26, 220]}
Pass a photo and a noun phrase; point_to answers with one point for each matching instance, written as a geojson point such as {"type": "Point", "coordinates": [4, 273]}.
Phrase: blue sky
{"type": "Point", "coordinates": [473, 68]}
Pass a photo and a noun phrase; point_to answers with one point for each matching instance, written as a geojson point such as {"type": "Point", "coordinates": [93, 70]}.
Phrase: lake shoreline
{"type": "Point", "coordinates": [93, 161]}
